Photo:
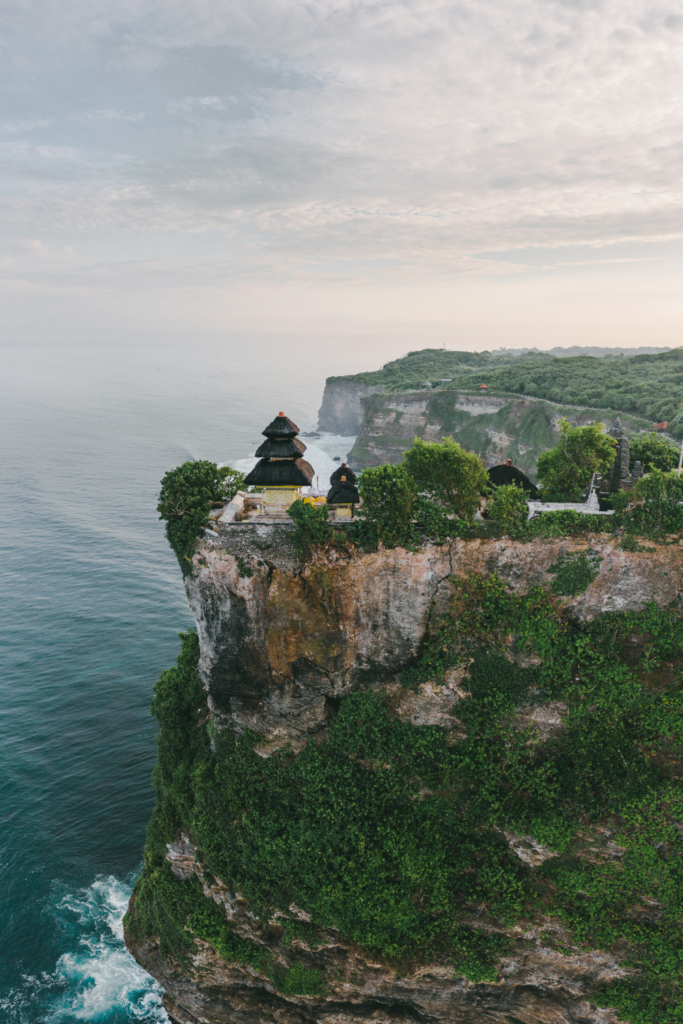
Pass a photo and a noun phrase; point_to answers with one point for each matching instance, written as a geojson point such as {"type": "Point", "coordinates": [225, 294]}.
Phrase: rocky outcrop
{"type": "Point", "coordinates": [282, 643]}
{"type": "Point", "coordinates": [341, 411]}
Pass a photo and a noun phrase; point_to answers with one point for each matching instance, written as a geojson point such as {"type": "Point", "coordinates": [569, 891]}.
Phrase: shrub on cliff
{"type": "Point", "coordinates": [389, 494]}
{"type": "Point", "coordinates": [567, 468]}
{"type": "Point", "coordinates": [658, 508]}
{"type": "Point", "coordinates": [185, 502]}
{"type": "Point", "coordinates": [509, 507]}
{"type": "Point", "coordinates": [312, 526]}
{"type": "Point", "coordinates": [448, 474]}
{"type": "Point", "coordinates": [653, 452]}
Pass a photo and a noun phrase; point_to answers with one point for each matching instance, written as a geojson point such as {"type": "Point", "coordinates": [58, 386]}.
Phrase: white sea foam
{"type": "Point", "coordinates": [98, 982]}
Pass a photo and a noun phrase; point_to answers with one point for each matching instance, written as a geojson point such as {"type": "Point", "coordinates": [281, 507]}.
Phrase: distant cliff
{"type": "Point", "coordinates": [418, 786]}
{"type": "Point", "coordinates": [341, 411]}
{"type": "Point", "coordinates": [496, 427]}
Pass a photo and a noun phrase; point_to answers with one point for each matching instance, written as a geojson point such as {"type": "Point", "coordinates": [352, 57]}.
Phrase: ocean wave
{"type": "Point", "coordinates": [98, 981]}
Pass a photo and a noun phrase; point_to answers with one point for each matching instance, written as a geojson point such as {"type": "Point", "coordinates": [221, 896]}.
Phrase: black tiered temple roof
{"type": "Point", "coordinates": [343, 471]}
{"type": "Point", "coordinates": [288, 448]}
{"type": "Point", "coordinates": [499, 475]}
{"type": "Point", "coordinates": [280, 473]}
{"type": "Point", "coordinates": [281, 464]}
{"type": "Point", "coordinates": [343, 492]}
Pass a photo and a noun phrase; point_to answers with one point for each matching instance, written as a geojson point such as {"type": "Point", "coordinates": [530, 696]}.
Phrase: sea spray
{"type": "Point", "coordinates": [96, 981]}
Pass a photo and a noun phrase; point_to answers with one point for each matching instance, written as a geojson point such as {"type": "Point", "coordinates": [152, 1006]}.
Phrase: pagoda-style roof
{"type": "Point", "coordinates": [343, 471]}
{"type": "Point", "coordinates": [342, 493]}
{"type": "Point", "coordinates": [287, 448]}
{"type": "Point", "coordinates": [288, 473]}
{"type": "Point", "coordinates": [499, 475]}
{"type": "Point", "coordinates": [281, 427]}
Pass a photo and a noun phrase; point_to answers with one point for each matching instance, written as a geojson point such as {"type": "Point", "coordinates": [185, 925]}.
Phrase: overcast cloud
{"type": "Point", "coordinates": [341, 154]}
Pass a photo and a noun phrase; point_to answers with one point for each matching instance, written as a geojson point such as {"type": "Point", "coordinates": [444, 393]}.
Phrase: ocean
{"type": "Point", "coordinates": [91, 602]}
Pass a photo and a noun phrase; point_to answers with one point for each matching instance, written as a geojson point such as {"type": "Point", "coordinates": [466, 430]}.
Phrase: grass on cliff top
{"type": "Point", "coordinates": [392, 836]}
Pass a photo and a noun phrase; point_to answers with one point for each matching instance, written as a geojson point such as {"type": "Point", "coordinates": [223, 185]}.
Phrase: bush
{"type": "Point", "coordinates": [389, 495]}
{"type": "Point", "coordinates": [574, 572]}
{"type": "Point", "coordinates": [658, 510]}
{"type": "Point", "coordinates": [569, 466]}
{"type": "Point", "coordinates": [448, 474]}
{"type": "Point", "coordinates": [509, 507]}
{"type": "Point", "coordinates": [653, 452]}
{"type": "Point", "coordinates": [312, 526]}
{"type": "Point", "coordinates": [185, 502]}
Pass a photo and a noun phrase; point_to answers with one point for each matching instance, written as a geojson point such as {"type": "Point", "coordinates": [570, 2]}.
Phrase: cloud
{"type": "Point", "coordinates": [357, 139]}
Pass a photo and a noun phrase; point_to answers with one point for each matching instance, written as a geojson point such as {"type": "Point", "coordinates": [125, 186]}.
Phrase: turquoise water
{"type": "Point", "coordinates": [91, 602]}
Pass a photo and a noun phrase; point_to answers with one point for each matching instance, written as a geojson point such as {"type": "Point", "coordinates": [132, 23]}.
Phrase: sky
{"type": "Point", "coordinates": [477, 174]}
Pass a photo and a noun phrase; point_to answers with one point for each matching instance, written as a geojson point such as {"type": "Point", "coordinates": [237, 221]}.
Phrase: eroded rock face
{"type": "Point", "coordinates": [282, 646]}
{"type": "Point", "coordinates": [281, 643]}
{"type": "Point", "coordinates": [538, 983]}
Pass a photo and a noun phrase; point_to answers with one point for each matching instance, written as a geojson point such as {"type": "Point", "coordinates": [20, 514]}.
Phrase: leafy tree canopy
{"type": "Point", "coordinates": [448, 474]}
{"type": "Point", "coordinates": [569, 466]}
{"type": "Point", "coordinates": [654, 452]}
{"type": "Point", "coordinates": [185, 501]}
{"type": "Point", "coordinates": [647, 385]}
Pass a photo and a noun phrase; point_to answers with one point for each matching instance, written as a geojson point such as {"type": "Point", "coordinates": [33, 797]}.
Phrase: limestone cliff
{"type": "Point", "coordinates": [285, 647]}
{"type": "Point", "coordinates": [495, 427]}
{"type": "Point", "coordinates": [341, 411]}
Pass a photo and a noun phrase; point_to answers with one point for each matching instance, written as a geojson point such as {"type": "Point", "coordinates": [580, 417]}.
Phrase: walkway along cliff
{"type": "Point", "coordinates": [440, 785]}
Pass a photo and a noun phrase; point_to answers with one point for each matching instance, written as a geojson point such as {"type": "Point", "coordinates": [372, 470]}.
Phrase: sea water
{"type": "Point", "coordinates": [91, 601]}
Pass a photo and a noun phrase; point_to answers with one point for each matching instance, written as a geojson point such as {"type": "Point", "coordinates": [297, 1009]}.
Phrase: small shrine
{"type": "Point", "coordinates": [281, 471]}
{"type": "Point", "coordinates": [343, 470]}
{"type": "Point", "coordinates": [343, 494]}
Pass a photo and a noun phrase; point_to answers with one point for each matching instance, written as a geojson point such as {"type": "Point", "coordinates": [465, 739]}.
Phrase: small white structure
{"type": "Point", "coordinates": [591, 506]}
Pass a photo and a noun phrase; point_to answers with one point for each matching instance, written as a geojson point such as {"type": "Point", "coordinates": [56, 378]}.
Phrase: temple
{"type": "Point", "coordinates": [342, 496]}
{"type": "Point", "coordinates": [281, 471]}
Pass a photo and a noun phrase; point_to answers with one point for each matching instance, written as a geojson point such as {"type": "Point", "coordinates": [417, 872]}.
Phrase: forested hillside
{"type": "Point", "coordinates": [647, 385]}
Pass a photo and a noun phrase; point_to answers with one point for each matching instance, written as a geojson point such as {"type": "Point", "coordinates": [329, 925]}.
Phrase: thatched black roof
{"type": "Point", "coordinates": [343, 471]}
{"type": "Point", "coordinates": [499, 475]}
{"type": "Point", "coordinates": [343, 492]}
{"type": "Point", "coordinates": [281, 427]}
{"type": "Point", "coordinates": [288, 448]}
{"type": "Point", "coordinates": [288, 473]}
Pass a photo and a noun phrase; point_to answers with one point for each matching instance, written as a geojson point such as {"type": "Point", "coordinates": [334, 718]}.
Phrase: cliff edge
{"type": "Point", "coordinates": [436, 785]}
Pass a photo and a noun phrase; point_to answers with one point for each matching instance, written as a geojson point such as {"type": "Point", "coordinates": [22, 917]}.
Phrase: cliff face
{"type": "Point", "coordinates": [283, 646]}
{"type": "Point", "coordinates": [495, 428]}
{"type": "Point", "coordinates": [341, 411]}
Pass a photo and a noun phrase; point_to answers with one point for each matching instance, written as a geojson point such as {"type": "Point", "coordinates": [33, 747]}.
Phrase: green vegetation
{"type": "Point", "coordinates": [568, 468]}
{"type": "Point", "coordinates": [653, 452]}
{"type": "Point", "coordinates": [447, 474]}
{"type": "Point", "coordinates": [433, 494]}
{"type": "Point", "coordinates": [509, 507]}
{"type": "Point", "coordinates": [647, 385]}
{"type": "Point", "coordinates": [185, 502]}
{"type": "Point", "coordinates": [574, 572]}
{"type": "Point", "coordinates": [389, 834]}
{"type": "Point", "coordinates": [312, 526]}
{"type": "Point", "coordinates": [433, 364]}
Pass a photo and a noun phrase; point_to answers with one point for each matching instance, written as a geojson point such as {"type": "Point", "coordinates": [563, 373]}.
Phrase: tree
{"type": "Point", "coordinates": [389, 495]}
{"type": "Point", "coordinates": [509, 506]}
{"type": "Point", "coordinates": [448, 474]}
{"type": "Point", "coordinates": [567, 468]}
{"type": "Point", "coordinates": [185, 501]}
{"type": "Point", "coordinates": [653, 452]}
